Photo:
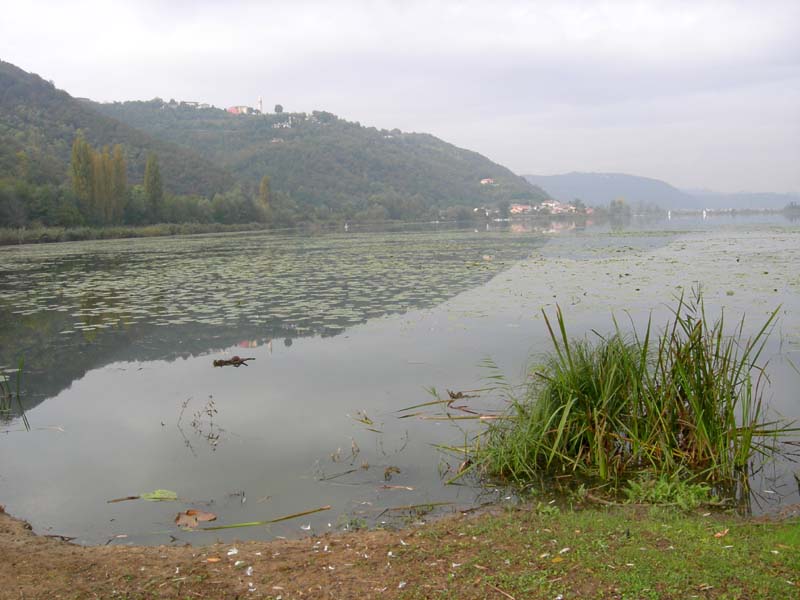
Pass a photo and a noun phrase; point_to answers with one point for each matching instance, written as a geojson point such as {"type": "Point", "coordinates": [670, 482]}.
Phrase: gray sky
{"type": "Point", "coordinates": [701, 94]}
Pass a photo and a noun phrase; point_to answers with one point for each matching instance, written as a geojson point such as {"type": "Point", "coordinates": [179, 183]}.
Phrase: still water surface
{"type": "Point", "coordinates": [119, 338]}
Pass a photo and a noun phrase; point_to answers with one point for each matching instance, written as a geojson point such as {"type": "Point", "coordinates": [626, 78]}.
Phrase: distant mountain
{"type": "Point", "coordinates": [599, 189]}
{"type": "Point", "coordinates": [743, 200]}
{"type": "Point", "coordinates": [324, 161]}
{"type": "Point", "coordinates": [38, 124]}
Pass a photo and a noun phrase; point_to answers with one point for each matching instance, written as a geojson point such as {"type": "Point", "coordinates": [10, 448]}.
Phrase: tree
{"type": "Point", "coordinates": [81, 171]}
{"type": "Point", "coordinates": [278, 108]}
{"type": "Point", "coordinates": [504, 208]}
{"type": "Point", "coordinates": [264, 192]}
{"type": "Point", "coordinates": [23, 165]}
{"type": "Point", "coordinates": [102, 205]}
{"type": "Point", "coordinates": [119, 184]}
{"type": "Point", "coordinates": [153, 189]}
{"type": "Point", "coordinates": [619, 209]}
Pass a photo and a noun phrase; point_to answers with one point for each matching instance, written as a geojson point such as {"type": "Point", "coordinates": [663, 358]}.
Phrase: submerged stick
{"type": "Point", "coordinates": [423, 505]}
{"type": "Point", "coordinates": [122, 499]}
{"type": "Point", "coordinates": [235, 361]}
{"type": "Point", "coordinates": [257, 523]}
{"type": "Point", "coordinates": [342, 474]}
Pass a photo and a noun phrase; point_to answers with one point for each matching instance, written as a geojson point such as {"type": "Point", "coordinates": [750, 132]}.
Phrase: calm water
{"type": "Point", "coordinates": [345, 329]}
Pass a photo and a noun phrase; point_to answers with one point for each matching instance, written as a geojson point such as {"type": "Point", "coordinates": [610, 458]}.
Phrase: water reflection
{"type": "Point", "coordinates": [73, 307]}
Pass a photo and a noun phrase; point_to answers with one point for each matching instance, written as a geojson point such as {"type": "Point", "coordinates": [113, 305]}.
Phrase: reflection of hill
{"type": "Point", "coordinates": [77, 307]}
{"type": "Point", "coordinates": [52, 364]}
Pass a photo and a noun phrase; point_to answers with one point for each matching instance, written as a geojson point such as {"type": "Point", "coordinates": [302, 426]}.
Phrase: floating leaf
{"type": "Point", "coordinates": [192, 518]}
{"type": "Point", "coordinates": [159, 496]}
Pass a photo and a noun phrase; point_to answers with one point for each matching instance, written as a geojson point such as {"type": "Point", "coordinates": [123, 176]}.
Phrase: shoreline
{"type": "Point", "coordinates": [521, 552]}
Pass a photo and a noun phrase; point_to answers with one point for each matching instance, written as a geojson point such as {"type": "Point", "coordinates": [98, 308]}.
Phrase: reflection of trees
{"type": "Point", "coordinates": [79, 309]}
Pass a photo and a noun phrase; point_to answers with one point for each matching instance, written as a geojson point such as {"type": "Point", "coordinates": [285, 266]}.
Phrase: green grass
{"type": "Point", "coordinates": [613, 553]}
{"type": "Point", "coordinates": [685, 405]}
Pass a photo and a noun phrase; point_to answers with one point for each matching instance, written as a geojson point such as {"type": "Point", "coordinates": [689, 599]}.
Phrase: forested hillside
{"type": "Point", "coordinates": [39, 123]}
{"type": "Point", "coordinates": [69, 162]}
{"type": "Point", "coordinates": [329, 162]}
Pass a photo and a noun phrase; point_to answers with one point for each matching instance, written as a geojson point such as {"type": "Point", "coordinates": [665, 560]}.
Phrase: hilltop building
{"type": "Point", "coordinates": [242, 110]}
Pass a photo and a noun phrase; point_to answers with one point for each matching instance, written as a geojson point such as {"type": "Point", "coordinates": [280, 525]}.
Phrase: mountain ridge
{"type": "Point", "coordinates": [602, 188]}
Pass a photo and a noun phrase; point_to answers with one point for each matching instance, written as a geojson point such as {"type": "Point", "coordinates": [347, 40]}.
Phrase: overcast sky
{"type": "Point", "coordinates": [701, 94]}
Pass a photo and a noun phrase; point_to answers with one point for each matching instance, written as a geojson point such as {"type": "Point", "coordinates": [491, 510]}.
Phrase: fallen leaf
{"type": "Point", "coordinates": [213, 559]}
{"type": "Point", "coordinates": [722, 533]}
{"type": "Point", "coordinates": [191, 518]}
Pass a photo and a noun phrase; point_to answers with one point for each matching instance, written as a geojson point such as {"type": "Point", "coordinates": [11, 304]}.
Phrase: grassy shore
{"type": "Point", "coordinates": [522, 552]}
{"type": "Point", "coordinates": [41, 235]}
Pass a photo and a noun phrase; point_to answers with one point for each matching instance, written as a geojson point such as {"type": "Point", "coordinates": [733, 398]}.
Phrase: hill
{"type": "Point", "coordinates": [599, 189]}
{"type": "Point", "coordinates": [329, 163]}
{"type": "Point", "coordinates": [41, 121]}
{"type": "Point", "coordinates": [744, 200]}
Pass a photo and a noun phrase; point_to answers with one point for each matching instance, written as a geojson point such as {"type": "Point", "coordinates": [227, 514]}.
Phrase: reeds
{"type": "Point", "coordinates": [10, 396]}
{"type": "Point", "coordinates": [686, 403]}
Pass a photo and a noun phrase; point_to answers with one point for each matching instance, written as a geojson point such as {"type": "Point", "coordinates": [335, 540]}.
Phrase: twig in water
{"type": "Point", "coordinates": [122, 499]}
{"type": "Point", "coordinates": [278, 520]}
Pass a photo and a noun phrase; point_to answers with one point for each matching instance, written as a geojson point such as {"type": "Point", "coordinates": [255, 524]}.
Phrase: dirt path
{"type": "Point", "coordinates": [519, 553]}
{"type": "Point", "coordinates": [338, 566]}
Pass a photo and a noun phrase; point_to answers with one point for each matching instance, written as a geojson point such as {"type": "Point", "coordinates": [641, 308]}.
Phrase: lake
{"type": "Point", "coordinates": [345, 329]}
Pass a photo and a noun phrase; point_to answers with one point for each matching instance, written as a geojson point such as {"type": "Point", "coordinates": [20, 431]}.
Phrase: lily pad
{"type": "Point", "coordinates": [159, 496]}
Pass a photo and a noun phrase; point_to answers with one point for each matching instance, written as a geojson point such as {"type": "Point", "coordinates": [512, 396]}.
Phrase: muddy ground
{"type": "Point", "coordinates": [526, 552]}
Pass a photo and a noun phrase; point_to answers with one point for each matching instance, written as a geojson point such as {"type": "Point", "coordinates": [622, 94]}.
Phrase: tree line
{"type": "Point", "coordinates": [97, 193]}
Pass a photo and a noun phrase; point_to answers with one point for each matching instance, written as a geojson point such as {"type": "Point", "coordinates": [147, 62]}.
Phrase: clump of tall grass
{"type": "Point", "coordinates": [686, 402]}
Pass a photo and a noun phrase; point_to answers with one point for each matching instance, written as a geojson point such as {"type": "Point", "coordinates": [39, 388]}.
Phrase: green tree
{"type": "Point", "coordinates": [504, 208]}
{"type": "Point", "coordinates": [278, 108]}
{"type": "Point", "coordinates": [153, 188]}
{"type": "Point", "coordinates": [619, 209]}
{"type": "Point", "coordinates": [81, 171]}
{"type": "Point", "coordinates": [579, 205]}
{"type": "Point", "coordinates": [264, 192]}
{"type": "Point", "coordinates": [23, 165]}
{"type": "Point", "coordinates": [119, 184]}
{"type": "Point", "coordinates": [101, 188]}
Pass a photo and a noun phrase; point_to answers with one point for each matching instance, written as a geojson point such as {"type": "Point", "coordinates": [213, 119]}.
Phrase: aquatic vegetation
{"type": "Point", "coordinates": [296, 285]}
{"type": "Point", "coordinates": [686, 403]}
{"type": "Point", "coordinates": [11, 397]}
{"type": "Point", "coordinates": [38, 235]}
{"type": "Point", "coordinates": [668, 491]}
